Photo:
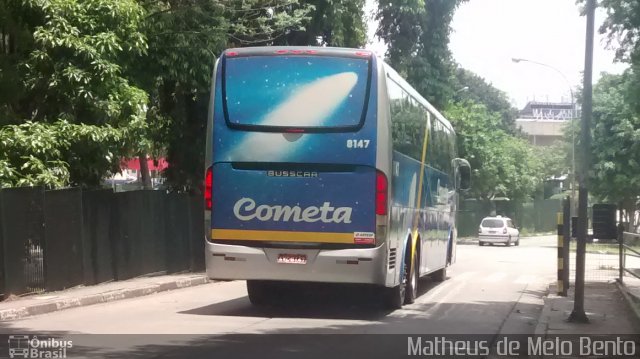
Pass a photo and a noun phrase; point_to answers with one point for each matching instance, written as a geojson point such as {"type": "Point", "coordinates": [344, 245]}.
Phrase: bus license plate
{"type": "Point", "coordinates": [292, 258]}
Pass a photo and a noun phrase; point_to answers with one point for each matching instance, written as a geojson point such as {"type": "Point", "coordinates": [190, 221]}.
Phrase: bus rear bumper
{"type": "Point", "coordinates": [364, 266]}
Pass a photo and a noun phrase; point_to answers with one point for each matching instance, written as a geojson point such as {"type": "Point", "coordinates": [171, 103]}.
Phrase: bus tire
{"type": "Point", "coordinates": [440, 275]}
{"type": "Point", "coordinates": [259, 293]}
{"type": "Point", "coordinates": [411, 291]}
{"type": "Point", "coordinates": [395, 297]}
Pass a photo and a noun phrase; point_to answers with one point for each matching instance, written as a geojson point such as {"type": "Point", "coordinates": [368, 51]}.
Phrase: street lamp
{"type": "Point", "coordinates": [573, 115]}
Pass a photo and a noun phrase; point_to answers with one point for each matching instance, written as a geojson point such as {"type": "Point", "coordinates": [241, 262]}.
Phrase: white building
{"type": "Point", "coordinates": [544, 122]}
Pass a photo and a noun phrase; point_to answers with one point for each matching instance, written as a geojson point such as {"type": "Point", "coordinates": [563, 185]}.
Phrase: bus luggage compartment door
{"type": "Point", "coordinates": [257, 203]}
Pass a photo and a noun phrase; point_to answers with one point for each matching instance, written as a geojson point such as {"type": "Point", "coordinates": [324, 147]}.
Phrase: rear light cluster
{"type": "Point", "coordinates": [296, 52]}
{"type": "Point", "coordinates": [232, 53]}
{"type": "Point", "coordinates": [294, 130]}
{"type": "Point", "coordinates": [208, 189]}
{"type": "Point", "coordinates": [382, 188]}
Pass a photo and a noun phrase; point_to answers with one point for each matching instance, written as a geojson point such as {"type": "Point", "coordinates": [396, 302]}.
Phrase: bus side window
{"type": "Point", "coordinates": [408, 120]}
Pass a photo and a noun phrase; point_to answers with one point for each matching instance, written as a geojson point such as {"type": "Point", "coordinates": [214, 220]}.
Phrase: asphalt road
{"type": "Point", "coordinates": [491, 290]}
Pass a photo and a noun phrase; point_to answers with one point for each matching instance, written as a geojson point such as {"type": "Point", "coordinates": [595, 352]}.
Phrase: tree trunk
{"type": "Point", "coordinates": [144, 171]}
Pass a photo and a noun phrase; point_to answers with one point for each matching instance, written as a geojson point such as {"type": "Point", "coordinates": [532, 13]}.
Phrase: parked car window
{"type": "Point", "coordinates": [492, 223]}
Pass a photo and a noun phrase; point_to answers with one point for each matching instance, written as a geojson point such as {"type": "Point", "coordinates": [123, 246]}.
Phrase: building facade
{"type": "Point", "coordinates": [544, 122]}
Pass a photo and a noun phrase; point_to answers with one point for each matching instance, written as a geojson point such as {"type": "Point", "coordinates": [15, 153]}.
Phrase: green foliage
{"type": "Point", "coordinates": [74, 71]}
{"type": "Point", "coordinates": [98, 80]}
{"type": "Point", "coordinates": [502, 164]}
{"type": "Point", "coordinates": [338, 23]}
{"type": "Point", "coordinates": [417, 35]}
{"type": "Point", "coordinates": [184, 39]}
{"type": "Point", "coordinates": [616, 112]}
{"type": "Point", "coordinates": [480, 91]}
{"type": "Point", "coordinates": [623, 27]}
{"type": "Point", "coordinates": [616, 141]}
{"type": "Point", "coordinates": [555, 159]}
{"type": "Point", "coordinates": [186, 36]}
{"type": "Point", "coordinates": [74, 113]}
{"type": "Point", "coordinates": [55, 155]}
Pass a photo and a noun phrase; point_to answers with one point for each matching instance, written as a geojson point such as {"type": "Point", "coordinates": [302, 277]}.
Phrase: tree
{"type": "Point", "coordinates": [118, 78]}
{"type": "Point", "coordinates": [417, 35]}
{"type": "Point", "coordinates": [185, 37]}
{"type": "Point", "coordinates": [623, 27]}
{"type": "Point", "coordinates": [616, 142]}
{"type": "Point", "coordinates": [617, 111]}
{"type": "Point", "coordinates": [502, 164]}
{"type": "Point", "coordinates": [339, 23]}
{"type": "Point", "coordinates": [73, 91]}
{"type": "Point", "coordinates": [480, 91]}
{"type": "Point", "coordinates": [15, 43]}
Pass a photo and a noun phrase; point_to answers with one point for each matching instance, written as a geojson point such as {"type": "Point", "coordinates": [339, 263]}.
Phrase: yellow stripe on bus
{"type": "Point", "coordinates": [416, 221]}
{"type": "Point", "coordinates": [282, 236]}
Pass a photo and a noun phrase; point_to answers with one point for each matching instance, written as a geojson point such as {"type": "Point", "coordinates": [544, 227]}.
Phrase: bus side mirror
{"type": "Point", "coordinates": [463, 177]}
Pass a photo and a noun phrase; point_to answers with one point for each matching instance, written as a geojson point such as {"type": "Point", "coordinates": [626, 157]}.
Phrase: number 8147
{"type": "Point", "coordinates": [358, 143]}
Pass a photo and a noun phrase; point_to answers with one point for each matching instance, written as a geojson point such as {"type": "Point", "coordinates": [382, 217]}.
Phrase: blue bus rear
{"type": "Point", "coordinates": [295, 189]}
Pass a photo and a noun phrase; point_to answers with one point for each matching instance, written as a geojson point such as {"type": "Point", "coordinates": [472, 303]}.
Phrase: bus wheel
{"type": "Point", "coordinates": [259, 293]}
{"type": "Point", "coordinates": [440, 275]}
{"type": "Point", "coordinates": [412, 283]}
{"type": "Point", "coordinates": [394, 297]}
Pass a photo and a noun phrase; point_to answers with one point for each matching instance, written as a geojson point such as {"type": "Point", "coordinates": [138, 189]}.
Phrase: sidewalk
{"type": "Point", "coordinates": [631, 291]}
{"type": "Point", "coordinates": [606, 306]}
{"type": "Point", "coordinates": [22, 307]}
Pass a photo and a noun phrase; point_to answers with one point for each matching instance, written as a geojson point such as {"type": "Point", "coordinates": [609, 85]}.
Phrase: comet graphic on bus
{"type": "Point", "coordinates": [309, 106]}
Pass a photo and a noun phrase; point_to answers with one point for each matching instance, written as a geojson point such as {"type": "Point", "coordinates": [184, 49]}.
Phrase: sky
{"type": "Point", "coordinates": [487, 34]}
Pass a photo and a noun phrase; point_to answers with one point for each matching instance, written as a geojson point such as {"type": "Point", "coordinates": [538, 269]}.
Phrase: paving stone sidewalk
{"type": "Point", "coordinates": [608, 306]}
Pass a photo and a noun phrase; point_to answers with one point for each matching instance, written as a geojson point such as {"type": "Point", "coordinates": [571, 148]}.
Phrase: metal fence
{"type": "Point", "coordinates": [52, 240]}
{"type": "Point", "coordinates": [23, 231]}
{"type": "Point", "coordinates": [537, 216]}
{"type": "Point", "coordinates": [629, 256]}
{"type": "Point", "coordinates": [601, 262]}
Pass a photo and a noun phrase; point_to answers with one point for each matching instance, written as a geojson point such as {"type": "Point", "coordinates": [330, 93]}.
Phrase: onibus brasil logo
{"type": "Point", "coordinates": [24, 346]}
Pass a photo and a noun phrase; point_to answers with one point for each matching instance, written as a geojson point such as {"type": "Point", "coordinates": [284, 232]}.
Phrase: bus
{"type": "Point", "coordinates": [325, 165]}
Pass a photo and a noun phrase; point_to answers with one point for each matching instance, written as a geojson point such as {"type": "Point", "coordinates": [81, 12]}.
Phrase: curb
{"type": "Point", "coordinates": [543, 319]}
{"type": "Point", "coordinates": [468, 242]}
{"type": "Point", "coordinates": [632, 301]}
{"type": "Point", "coordinates": [112, 296]}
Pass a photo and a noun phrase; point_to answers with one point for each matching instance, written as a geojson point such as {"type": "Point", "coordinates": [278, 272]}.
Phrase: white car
{"type": "Point", "coordinates": [498, 230]}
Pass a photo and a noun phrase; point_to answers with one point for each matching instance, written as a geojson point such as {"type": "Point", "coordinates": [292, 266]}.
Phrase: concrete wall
{"type": "Point", "coordinates": [542, 132]}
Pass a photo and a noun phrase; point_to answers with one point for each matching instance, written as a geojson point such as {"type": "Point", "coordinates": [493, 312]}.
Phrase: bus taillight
{"type": "Point", "coordinates": [208, 189]}
{"type": "Point", "coordinates": [382, 188]}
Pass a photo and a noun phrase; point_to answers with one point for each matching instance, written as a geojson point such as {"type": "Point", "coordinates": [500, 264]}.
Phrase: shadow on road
{"type": "Point", "coordinates": [312, 301]}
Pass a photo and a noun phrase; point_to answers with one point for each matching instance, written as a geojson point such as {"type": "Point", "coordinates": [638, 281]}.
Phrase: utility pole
{"type": "Point", "coordinates": [578, 314]}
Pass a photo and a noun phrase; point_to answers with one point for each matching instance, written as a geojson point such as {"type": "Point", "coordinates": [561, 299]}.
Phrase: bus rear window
{"type": "Point", "coordinates": [302, 92]}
